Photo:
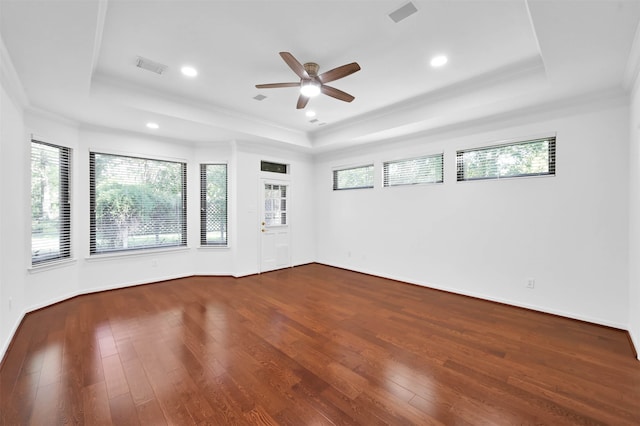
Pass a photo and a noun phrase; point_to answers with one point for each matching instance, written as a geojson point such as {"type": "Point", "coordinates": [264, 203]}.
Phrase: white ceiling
{"type": "Point", "coordinates": [78, 59]}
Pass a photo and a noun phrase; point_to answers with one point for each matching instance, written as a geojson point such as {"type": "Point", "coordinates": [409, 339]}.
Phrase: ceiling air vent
{"type": "Point", "coordinates": [403, 12]}
{"type": "Point", "coordinates": [149, 65]}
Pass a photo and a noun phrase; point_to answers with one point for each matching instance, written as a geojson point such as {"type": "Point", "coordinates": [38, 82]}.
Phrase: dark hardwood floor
{"type": "Point", "coordinates": [311, 345]}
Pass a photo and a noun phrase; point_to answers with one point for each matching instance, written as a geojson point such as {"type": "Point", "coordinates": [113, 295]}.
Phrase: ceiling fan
{"type": "Point", "coordinates": [312, 84]}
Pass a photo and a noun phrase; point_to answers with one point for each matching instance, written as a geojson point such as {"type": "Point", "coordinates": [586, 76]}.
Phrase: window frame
{"type": "Point", "coordinates": [336, 171]}
{"type": "Point", "coordinates": [65, 155]}
{"type": "Point", "coordinates": [551, 165]}
{"type": "Point", "coordinates": [203, 207]}
{"type": "Point", "coordinates": [93, 250]}
{"type": "Point", "coordinates": [385, 171]}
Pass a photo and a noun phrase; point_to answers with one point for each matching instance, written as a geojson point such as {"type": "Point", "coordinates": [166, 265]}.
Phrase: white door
{"type": "Point", "coordinates": [274, 227]}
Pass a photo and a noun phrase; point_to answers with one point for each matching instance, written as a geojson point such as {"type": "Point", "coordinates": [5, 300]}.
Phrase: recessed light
{"type": "Point", "coordinates": [438, 61]}
{"type": "Point", "coordinates": [310, 113]}
{"type": "Point", "coordinates": [189, 71]}
{"type": "Point", "coordinates": [152, 125]}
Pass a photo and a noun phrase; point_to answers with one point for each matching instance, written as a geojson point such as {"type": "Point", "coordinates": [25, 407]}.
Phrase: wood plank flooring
{"type": "Point", "coordinates": [311, 345]}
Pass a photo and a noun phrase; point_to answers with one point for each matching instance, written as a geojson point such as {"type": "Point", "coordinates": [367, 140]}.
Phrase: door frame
{"type": "Point", "coordinates": [263, 178]}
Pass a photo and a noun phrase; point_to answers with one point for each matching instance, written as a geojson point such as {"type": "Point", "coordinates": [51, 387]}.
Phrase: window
{"type": "Point", "coordinates": [353, 178]}
{"type": "Point", "coordinates": [213, 205]}
{"type": "Point", "coordinates": [136, 203]}
{"type": "Point", "coordinates": [275, 204]}
{"type": "Point", "coordinates": [50, 202]}
{"type": "Point", "coordinates": [426, 169]}
{"type": "Point", "coordinates": [529, 158]}
{"type": "Point", "coordinates": [267, 166]}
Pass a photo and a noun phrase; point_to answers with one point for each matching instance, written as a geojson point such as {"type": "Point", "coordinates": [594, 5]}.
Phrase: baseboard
{"type": "Point", "coordinates": [635, 343]}
{"type": "Point", "coordinates": [571, 315]}
{"type": "Point", "coordinates": [6, 345]}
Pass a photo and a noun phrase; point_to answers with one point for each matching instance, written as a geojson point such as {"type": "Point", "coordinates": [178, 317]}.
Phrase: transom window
{"type": "Point", "coordinates": [529, 158]}
{"type": "Point", "coordinates": [353, 178]}
{"type": "Point", "coordinates": [50, 202]}
{"type": "Point", "coordinates": [427, 169]}
{"type": "Point", "coordinates": [136, 203]}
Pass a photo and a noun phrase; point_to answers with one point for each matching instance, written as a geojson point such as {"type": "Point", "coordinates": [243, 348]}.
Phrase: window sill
{"type": "Point", "coordinates": [212, 247]}
{"type": "Point", "coordinates": [34, 269]}
{"type": "Point", "coordinates": [134, 253]}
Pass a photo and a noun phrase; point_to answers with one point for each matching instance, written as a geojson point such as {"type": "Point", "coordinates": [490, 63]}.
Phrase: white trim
{"type": "Point", "coordinates": [46, 266]}
{"type": "Point", "coordinates": [510, 141]}
{"type": "Point", "coordinates": [34, 137]}
{"type": "Point", "coordinates": [397, 158]}
{"type": "Point", "coordinates": [632, 69]}
{"type": "Point", "coordinates": [565, 314]}
{"type": "Point", "coordinates": [97, 41]}
{"type": "Point", "coordinates": [635, 342]}
{"type": "Point", "coordinates": [359, 165]}
{"type": "Point", "coordinates": [12, 333]}
{"type": "Point", "coordinates": [138, 155]}
{"type": "Point", "coordinates": [98, 257]}
{"type": "Point", "coordinates": [9, 78]}
{"type": "Point", "coordinates": [213, 247]}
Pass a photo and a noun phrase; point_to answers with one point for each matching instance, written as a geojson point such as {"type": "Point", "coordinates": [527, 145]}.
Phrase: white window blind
{"type": "Point", "coordinates": [50, 202]}
{"type": "Point", "coordinates": [213, 205]}
{"type": "Point", "coordinates": [353, 178]}
{"type": "Point", "coordinates": [136, 203]}
{"type": "Point", "coordinates": [427, 169]}
{"type": "Point", "coordinates": [529, 158]}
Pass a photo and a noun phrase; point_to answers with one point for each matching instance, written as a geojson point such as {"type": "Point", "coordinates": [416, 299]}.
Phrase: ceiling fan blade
{"type": "Point", "coordinates": [276, 85]}
{"type": "Point", "coordinates": [335, 93]}
{"type": "Point", "coordinates": [339, 72]}
{"type": "Point", "coordinates": [294, 64]}
{"type": "Point", "coordinates": [302, 102]}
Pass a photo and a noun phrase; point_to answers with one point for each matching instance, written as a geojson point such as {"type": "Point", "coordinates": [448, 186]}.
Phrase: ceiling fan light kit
{"type": "Point", "coordinates": [310, 88]}
{"type": "Point", "coordinates": [311, 84]}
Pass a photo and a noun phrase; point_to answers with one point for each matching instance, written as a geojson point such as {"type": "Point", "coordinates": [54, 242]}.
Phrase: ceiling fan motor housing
{"type": "Point", "coordinates": [311, 68]}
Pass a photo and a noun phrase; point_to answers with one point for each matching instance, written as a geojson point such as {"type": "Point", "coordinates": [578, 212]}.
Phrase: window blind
{"type": "Point", "coordinates": [213, 205]}
{"type": "Point", "coordinates": [353, 178]}
{"type": "Point", "coordinates": [50, 202]}
{"type": "Point", "coordinates": [520, 159]}
{"type": "Point", "coordinates": [427, 169]}
{"type": "Point", "coordinates": [136, 203]}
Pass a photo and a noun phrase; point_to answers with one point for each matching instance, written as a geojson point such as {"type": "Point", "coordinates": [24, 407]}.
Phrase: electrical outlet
{"type": "Point", "coordinates": [531, 283]}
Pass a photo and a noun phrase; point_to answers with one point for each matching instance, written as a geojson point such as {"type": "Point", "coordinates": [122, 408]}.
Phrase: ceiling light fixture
{"type": "Point", "coordinates": [153, 126]}
{"type": "Point", "coordinates": [189, 71]}
{"type": "Point", "coordinates": [438, 61]}
{"type": "Point", "coordinates": [310, 113]}
{"type": "Point", "coordinates": [310, 88]}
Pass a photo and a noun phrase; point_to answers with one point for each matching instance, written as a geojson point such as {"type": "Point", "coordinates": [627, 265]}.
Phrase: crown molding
{"type": "Point", "coordinates": [632, 70]}
{"type": "Point", "coordinates": [9, 78]}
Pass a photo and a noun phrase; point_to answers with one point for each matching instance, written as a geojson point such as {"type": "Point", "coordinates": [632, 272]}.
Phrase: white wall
{"type": "Point", "coordinates": [30, 289]}
{"type": "Point", "coordinates": [13, 268]}
{"type": "Point", "coordinates": [486, 238]}
{"type": "Point", "coordinates": [301, 204]}
{"type": "Point", "coordinates": [634, 218]}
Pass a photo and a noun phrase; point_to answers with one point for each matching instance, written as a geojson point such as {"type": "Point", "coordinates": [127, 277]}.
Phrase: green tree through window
{"type": "Point", "coordinates": [136, 203]}
{"type": "Point", "coordinates": [353, 178]}
{"type": "Point", "coordinates": [529, 158]}
{"type": "Point", "coordinates": [213, 205]}
{"type": "Point", "coordinates": [50, 202]}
